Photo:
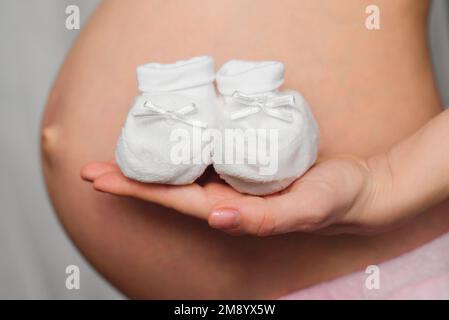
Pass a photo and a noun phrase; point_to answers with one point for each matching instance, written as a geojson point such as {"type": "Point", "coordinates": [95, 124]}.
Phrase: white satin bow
{"type": "Point", "coordinates": [151, 110]}
{"type": "Point", "coordinates": [265, 103]}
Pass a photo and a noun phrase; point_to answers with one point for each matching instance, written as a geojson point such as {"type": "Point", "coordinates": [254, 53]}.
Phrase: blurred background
{"type": "Point", "coordinates": [34, 250]}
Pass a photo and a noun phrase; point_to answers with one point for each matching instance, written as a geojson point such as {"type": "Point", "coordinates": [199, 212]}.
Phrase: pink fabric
{"type": "Point", "coordinates": [420, 274]}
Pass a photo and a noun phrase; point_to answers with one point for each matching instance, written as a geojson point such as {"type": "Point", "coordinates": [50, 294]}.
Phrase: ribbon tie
{"type": "Point", "coordinates": [151, 110]}
{"type": "Point", "coordinates": [265, 103]}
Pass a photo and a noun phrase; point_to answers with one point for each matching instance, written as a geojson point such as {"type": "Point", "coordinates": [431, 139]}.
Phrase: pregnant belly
{"type": "Point", "coordinates": [367, 89]}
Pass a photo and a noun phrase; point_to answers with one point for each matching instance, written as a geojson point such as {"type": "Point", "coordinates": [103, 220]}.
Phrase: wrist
{"type": "Point", "coordinates": [378, 200]}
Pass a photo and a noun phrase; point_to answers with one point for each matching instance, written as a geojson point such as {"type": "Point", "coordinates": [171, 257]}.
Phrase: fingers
{"type": "Point", "coordinates": [107, 177]}
{"type": "Point", "coordinates": [188, 199]}
{"type": "Point", "coordinates": [192, 199]}
{"type": "Point", "coordinates": [95, 169]}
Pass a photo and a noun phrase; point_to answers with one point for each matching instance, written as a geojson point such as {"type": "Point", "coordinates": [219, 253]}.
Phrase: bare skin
{"type": "Point", "coordinates": [368, 90]}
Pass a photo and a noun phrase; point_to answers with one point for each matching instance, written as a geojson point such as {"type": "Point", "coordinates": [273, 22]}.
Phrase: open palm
{"type": "Point", "coordinates": [334, 196]}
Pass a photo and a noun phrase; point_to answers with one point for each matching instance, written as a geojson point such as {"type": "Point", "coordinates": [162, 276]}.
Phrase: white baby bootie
{"type": "Point", "coordinates": [280, 135]}
{"type": "Point", "coordinates": [161, 139]}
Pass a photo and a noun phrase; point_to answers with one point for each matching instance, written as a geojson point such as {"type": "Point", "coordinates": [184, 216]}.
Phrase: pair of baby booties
{"type": "Point", "coordinates": [182, 97]}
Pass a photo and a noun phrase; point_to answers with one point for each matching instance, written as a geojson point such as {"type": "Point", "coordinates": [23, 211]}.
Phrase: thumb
{"type": "Point", "coordinates": [318, 199]}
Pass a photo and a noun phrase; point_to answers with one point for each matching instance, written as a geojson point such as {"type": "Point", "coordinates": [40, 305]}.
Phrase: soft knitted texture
{"type": "Point", "coordinates": [180, 95]}
{"type": "Point", "coordinates": [251, 101]}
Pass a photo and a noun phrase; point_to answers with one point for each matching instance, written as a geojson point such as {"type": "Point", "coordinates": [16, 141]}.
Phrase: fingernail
{"type": "Point", "coordinates": [224, 219]}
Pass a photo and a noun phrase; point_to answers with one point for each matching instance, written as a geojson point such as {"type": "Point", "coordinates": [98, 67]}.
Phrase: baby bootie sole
{"type": "Point", "coordinates": [257, 188]}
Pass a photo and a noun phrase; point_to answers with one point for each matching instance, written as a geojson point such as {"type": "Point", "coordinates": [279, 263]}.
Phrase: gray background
{"type": "Point", "coordinates": [34, 251]}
